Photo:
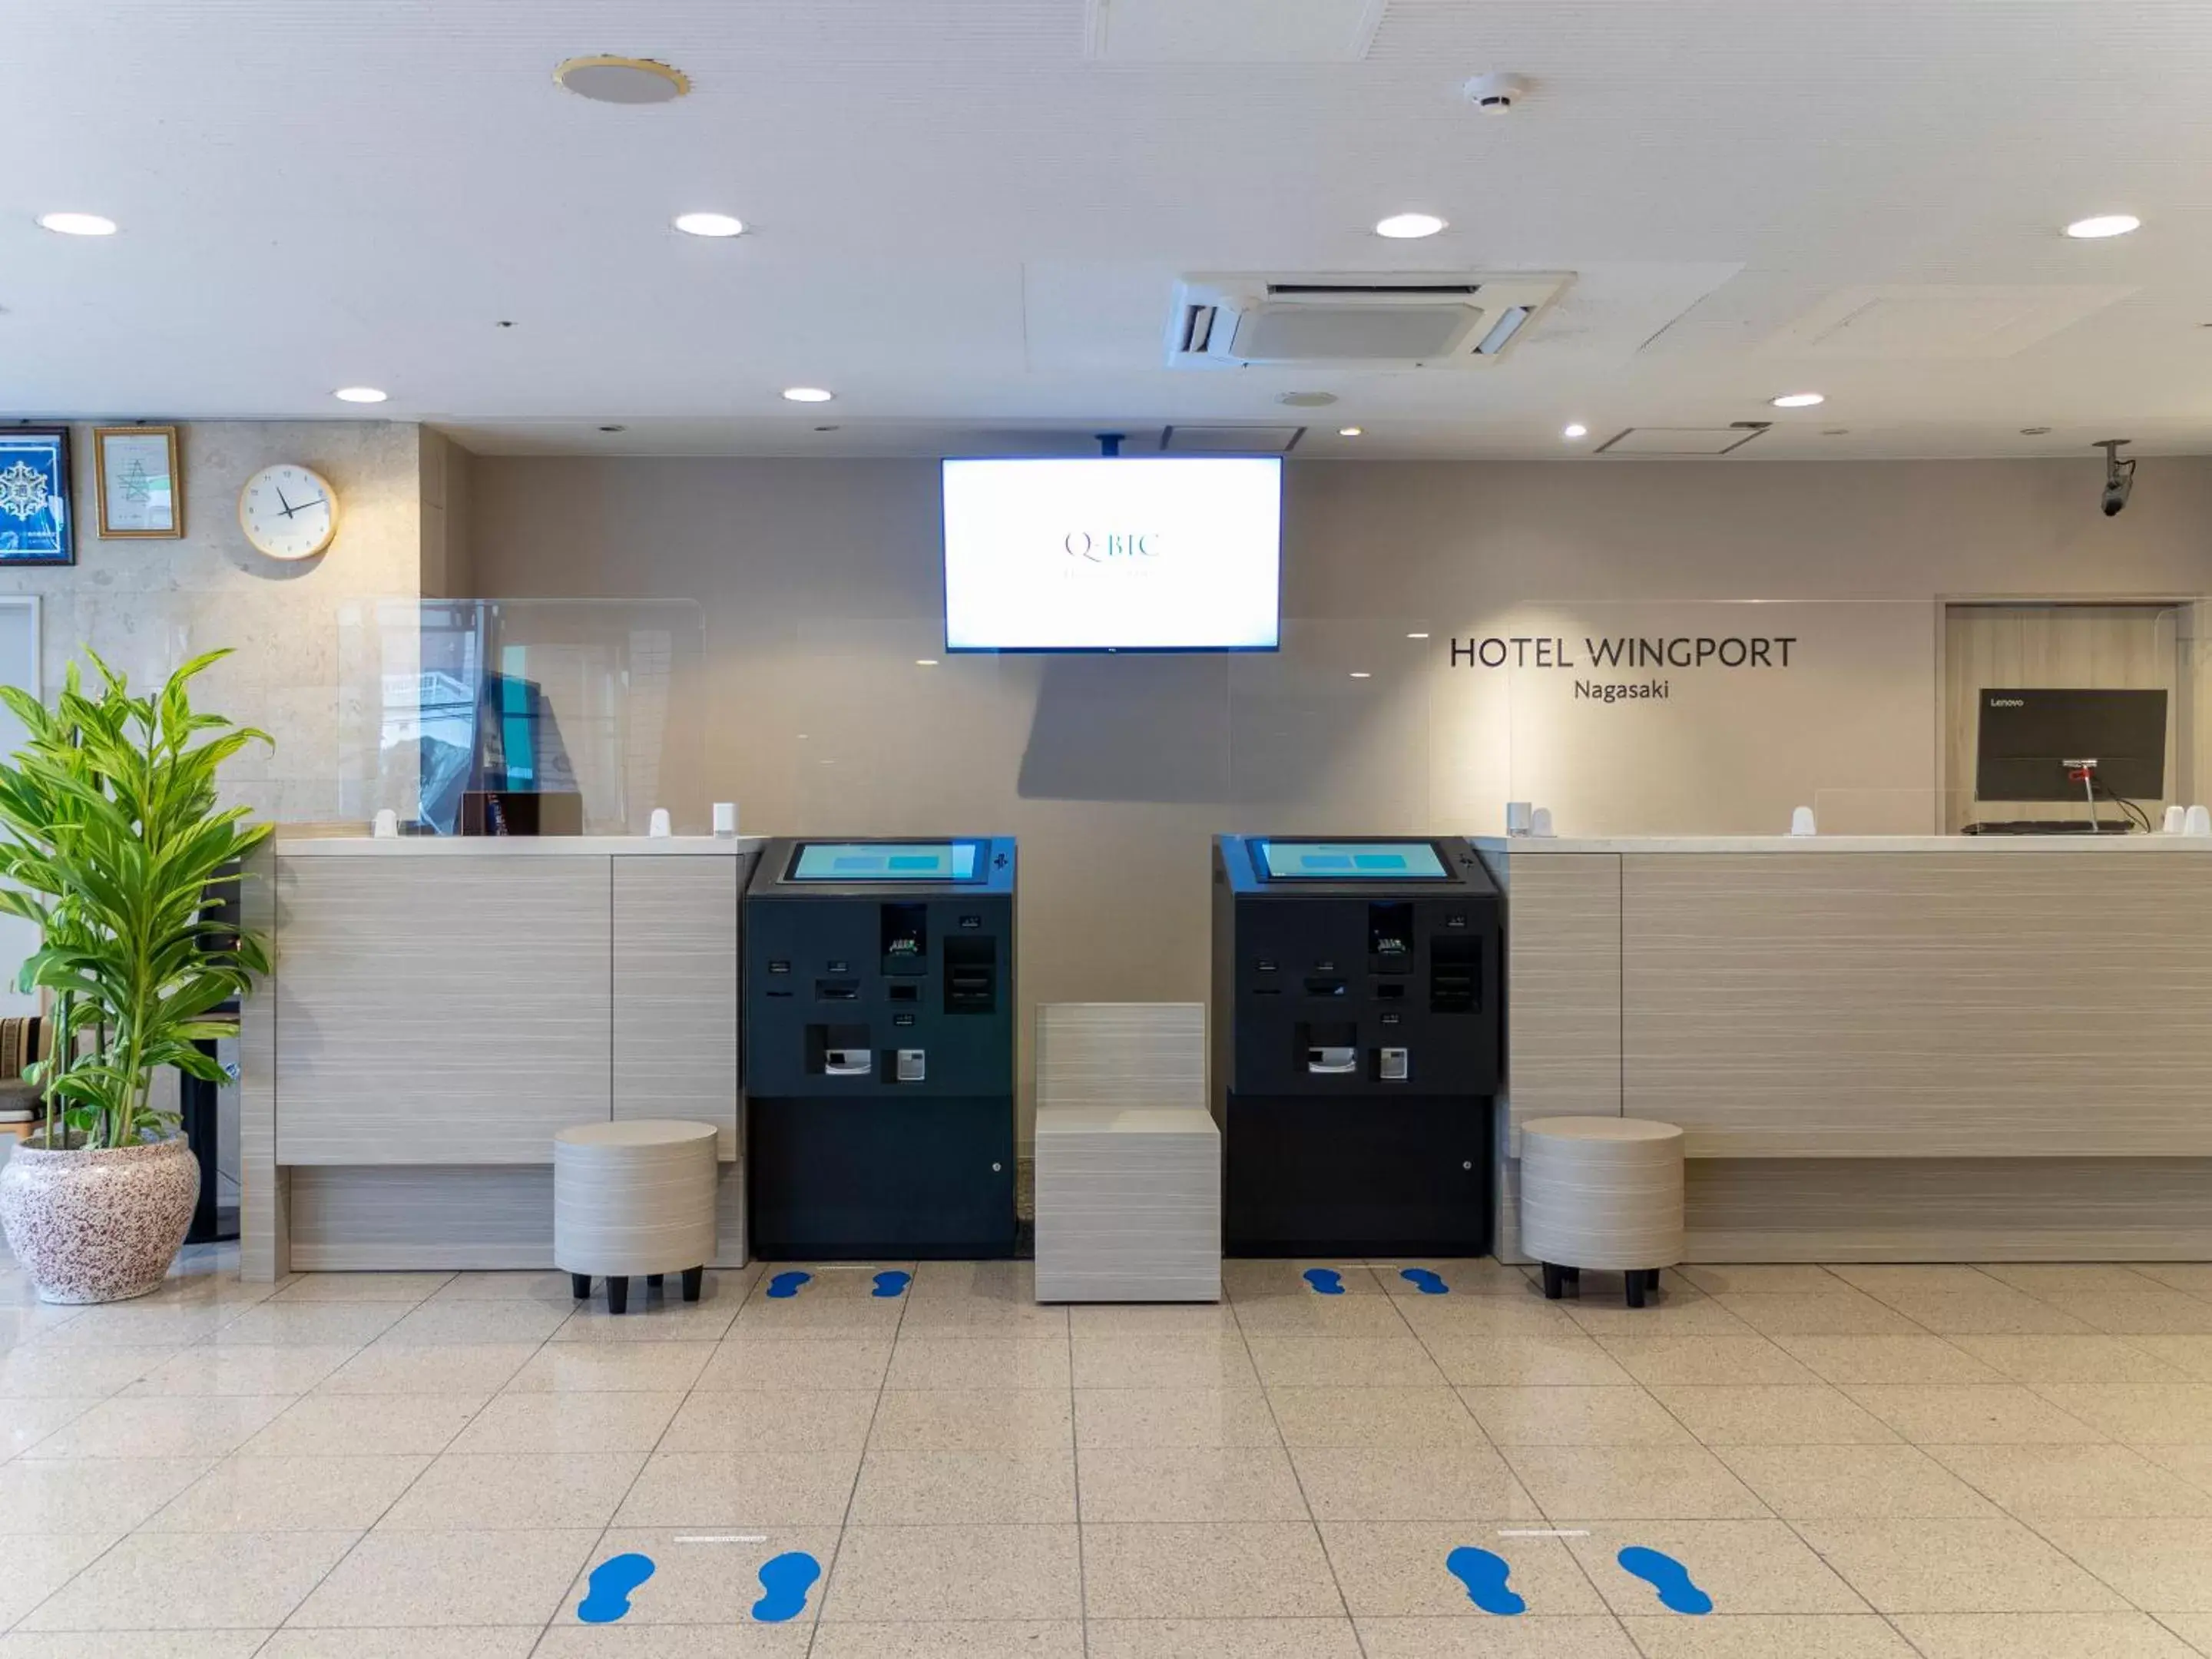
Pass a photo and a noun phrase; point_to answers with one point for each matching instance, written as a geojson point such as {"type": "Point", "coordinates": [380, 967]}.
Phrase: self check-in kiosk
{"type": "Point", "coordinates": [1356, 1042]}
{"type": "Point", "coordinates": [880, 1049]}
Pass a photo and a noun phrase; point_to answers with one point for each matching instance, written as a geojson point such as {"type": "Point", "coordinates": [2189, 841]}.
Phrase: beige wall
{"type": "Point", "coordinates": [147, 605]}
{"type": "Point", "coordinates": [820, 586]}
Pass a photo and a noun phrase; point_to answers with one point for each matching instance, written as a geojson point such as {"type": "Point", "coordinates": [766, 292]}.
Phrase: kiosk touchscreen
{"type": "Point", "coordinates": [1356, 1032]}
{"type": "Point", "coordinates": [880, 1049]}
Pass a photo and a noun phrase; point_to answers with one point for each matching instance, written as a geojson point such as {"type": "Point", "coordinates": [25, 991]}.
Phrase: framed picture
{"type": "Point", "coordinates": [35, 522]}
{"type": "Point", "coordinates": [142, 492]}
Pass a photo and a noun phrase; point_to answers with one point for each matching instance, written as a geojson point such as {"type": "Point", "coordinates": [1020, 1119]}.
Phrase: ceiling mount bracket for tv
{"type": "Point", "coordinates": [1110, 443]}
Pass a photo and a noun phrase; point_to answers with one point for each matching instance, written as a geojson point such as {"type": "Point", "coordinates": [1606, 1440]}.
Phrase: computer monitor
{"type": "Point", "coordinates": [2032, 742]}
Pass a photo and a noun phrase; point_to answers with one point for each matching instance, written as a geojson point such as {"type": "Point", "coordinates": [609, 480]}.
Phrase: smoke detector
{"type": "Point", "coordinates": [1497, 93]}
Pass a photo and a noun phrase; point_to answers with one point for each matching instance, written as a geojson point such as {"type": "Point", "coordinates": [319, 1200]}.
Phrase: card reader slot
{"type": "Point", "coordinates": [837, 990]}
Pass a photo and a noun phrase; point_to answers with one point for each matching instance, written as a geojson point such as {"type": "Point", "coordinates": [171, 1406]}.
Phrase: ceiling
{"type": "Point", "coordinates": [970, 224]}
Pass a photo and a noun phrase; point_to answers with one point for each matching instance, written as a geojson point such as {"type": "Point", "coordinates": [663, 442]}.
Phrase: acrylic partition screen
{"type": "Point", "coordinates": [598, 706]}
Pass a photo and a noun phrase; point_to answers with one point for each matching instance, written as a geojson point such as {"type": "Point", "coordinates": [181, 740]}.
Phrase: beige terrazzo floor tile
{"type": "Point", "coordinates": [999, 1638]}
{"type": "Point", "coordinates": [1887, 1360]}
{"type": "Point", "coordinates": [1892, 1482]}
{"type": "Point", "coordinates": [965, 1488]}
{"type": "Point", "coordinates": [1759, 1414]}
{"type": "Point", "coordinates": [208, 1370]}
{"type": "Point", "coordinates": [990, 1362]}
{"type": "Point", "coordinates": [1174, 1416]}
{"type": "Point", "coordinates": [163, 1426]}
{"type": "Point", "coordinates": [696, 1584]}
{"type": "Point", "coordinates": [1746, 1566]}
{"type": "Point", "coordinates": [751, 1364]}
{"type": "Point", "coordinates": [1566, 1357]}
{"type": "Point", "coordinates": [1767, 1636]}
{"type": "Point", "coordinates": [1354, 1362]}
{"type": "Point", "coordinates": [1246, 1569]}
{"type": "Point", "coordinates": [2042, 1636]}
{"type": "Point", "coordinates": [144, 1644]}
{"type": "Point", "coordinates": [403, 1580]}
{"type": "Point", "coordinates": [24, 1423]}
{"type": "Point", "coordinates": [38, 1566]}
{"type": "Point", "coordinates": [485, 1493]}
{"type": "Point", "coordinates": [1653, 1482]}
{"type": "Point", "coordinates": [1374, 1417]}
{"type": "Point", "coordinates": [2171, 1413]}
{"type": "Point", "coordinates": [1190, 1484]}
{"type": "Point", "coordinates": [897, 1573]}
{"type": "Point", "coordinates": [1211, 1358]}
{"type": "Point", "coordinates": [1219, 1638]}
{"type": "Point", "coordinates": [2038, 1482]}
{"type": "Point", "coordinates": [1741, 1361]}
{"type": "Point", "coordinates": [1956, 1566]}
{"type": "Point", "coordinates": [577, 1422]}
{"type": "Point", "coordinates": [2159, 1565]}
{"type": "Point", "coordinates": [1999, 1414]}
{"type": "Point", "coordinates": [2071, 1359]}
{"type": "Point", "coordinates": [289, 1494]}
{"type": "Point", "coordinates": [354, 1425]}
{"type": "Point", "coordinates": [778, 1421]}
{"type": "Point", "coordinates": [108, 1495]}
{"type": "Point", "coordinates": [738, 1490]}
{"type": "Point", "coordinates": [1440, 1483]}
{"type": "Point", "coordinates": [969, 1419]}
{"type": "Point", "coordinates": [461, 1368]}
{"type": "Point", "coordinates": [1551, 1416]}
{"type": "Point", "coordinates": [405, 1287]}
{"type": "Point", "coordinates": [1532, 1635]}
{"type": "Point", "coordinates": [187, 1581]}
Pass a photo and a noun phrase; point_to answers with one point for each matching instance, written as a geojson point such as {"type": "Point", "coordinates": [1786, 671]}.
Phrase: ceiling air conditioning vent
{"type": "Point", "coordinates": [1357, 321]}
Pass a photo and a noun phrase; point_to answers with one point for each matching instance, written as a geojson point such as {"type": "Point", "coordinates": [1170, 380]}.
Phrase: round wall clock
{"type": "Point", "coordinates": [287, 512]}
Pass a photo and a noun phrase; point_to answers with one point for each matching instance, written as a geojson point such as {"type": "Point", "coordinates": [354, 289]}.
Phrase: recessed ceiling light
{"type": "Point", "coordinates": [2099, 226]}
{"type": "Point", "coordinates": [709, 224]}
{"type": "Point", "coordinates": [1417, 636]}
{"type": "Point", "coordinates": [924, 662]}
{"type": "Point", "coordinates": [1307, 399]}
{"type": "Point", "coordinates": [1407, 226]}
{"type": "Point", "coordinates": [1350, 431]}
{"type": "Point", "coordinates": [1835, 432]}
{"type": "Point", "coordinates": [606, 80]}
{"type": "Point", "coordinates": [1361, 674]}
{"type": "Point", "coordinates": [1574, 429]}
{"type": "Point", "coordinates": [77, 224]}
{"type": "Point", "coordinates": [360, 394]}
{"type": "Point", "coordinates": [1797, 399]}
{"type": "Point", "coordinates": [807, 394]}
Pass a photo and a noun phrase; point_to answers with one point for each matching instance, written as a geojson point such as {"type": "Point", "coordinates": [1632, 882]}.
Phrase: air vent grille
{"type": "Point", "coordinates": [1346, 319]}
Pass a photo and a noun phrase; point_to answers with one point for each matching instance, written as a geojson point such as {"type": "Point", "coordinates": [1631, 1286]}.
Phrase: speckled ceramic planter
{"type": "Point", "coordinates": [98, 1226]}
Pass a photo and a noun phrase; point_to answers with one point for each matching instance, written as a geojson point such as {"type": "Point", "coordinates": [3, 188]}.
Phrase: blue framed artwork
{"type": "Point", "coordinates": [36, 526]}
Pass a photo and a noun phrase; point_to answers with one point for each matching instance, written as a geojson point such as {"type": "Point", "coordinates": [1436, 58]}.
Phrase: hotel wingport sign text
{"type": "Point", "coordinates": [1625, 652]}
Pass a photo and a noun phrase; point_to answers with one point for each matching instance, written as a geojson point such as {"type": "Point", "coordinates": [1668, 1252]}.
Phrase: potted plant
{"type": "Point", "coordinates": [109, 839]}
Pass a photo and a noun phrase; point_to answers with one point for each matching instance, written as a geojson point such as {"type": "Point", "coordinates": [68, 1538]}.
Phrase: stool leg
{"type": "Point", "coordinates": [653, 1281]}
{"type": "Point", "coordinates": [579, 1287]}
{"type": "Point", "coordinates": [1575, 1281]}
{"type": "Point", "coordinates": [617, 1294]}
{"type": "Point", "coordinates": [693, 1278]}
{"type": "Point", "coordinates": [1652, 1281]}
{"type": "Point", "coordinates": [1554, 1279]}
{"type": "Point", "coordinates": [1634, 1278]}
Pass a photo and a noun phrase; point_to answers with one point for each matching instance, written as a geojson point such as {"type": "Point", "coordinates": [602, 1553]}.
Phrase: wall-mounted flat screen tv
{"type": "Point", "coordinates": [1150, 553]}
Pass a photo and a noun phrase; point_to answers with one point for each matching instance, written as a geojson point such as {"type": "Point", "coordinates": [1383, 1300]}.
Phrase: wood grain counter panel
{"type": "Point", "coordinates": [1803, 1006]}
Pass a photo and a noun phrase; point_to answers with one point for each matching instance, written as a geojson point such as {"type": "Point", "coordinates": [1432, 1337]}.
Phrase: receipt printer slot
{"type": "Point", "coordinates": [840, 1051]}
{"type": "Point", "coordinates": [837, 990]}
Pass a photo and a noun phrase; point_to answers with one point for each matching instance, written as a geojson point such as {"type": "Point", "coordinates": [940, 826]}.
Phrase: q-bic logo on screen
{"type": "Point", "coordinates": [1106, 546]}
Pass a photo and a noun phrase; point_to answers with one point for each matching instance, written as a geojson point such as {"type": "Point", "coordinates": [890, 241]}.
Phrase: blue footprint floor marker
{"type": "Point", "coordinates": [1485, 1576]}
{"type": "Point", "coordinates": [1427, 1283]}
{"type": "Point", "coordinates": [785, 1579]}
{"type": "Point", "coordinates": [1326, 1281]}
{"type": "Point", "coordinates": [1668, 1575]}
{"type": "Point", "coordinates": [892, 1284]}
{"type": "Point", "coordinates": [607, 1592]}
{"type": "Point", "coordinates": [787, 1285]}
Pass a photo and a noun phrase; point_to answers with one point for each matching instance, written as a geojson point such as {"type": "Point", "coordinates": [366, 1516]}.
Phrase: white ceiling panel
{"type": "Point", "coordinates": [968, 225]}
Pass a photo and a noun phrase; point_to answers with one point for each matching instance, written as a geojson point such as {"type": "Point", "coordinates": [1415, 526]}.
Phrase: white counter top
{"type": "Point", "coordinates": [448, 846]}
{"type": "Point", "coordinates": [1966, 846]}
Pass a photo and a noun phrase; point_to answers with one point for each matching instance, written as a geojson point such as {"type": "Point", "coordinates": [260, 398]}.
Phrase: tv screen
{"type": "Point", "coordinates": [1157, 553]}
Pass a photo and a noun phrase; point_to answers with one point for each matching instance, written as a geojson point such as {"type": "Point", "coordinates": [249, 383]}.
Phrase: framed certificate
{"type": "Point", "coordinates": [142, 492]}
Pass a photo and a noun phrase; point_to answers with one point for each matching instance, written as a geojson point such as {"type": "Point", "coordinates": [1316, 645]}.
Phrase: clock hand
{"type": "Point", "coordinates": [289, 508]}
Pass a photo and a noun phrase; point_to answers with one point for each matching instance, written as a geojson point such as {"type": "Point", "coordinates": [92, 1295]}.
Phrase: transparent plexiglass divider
{"type": "Point", "coordinates": [598, 706]}
{"type": "Point", "coordinates": [1706, 718]}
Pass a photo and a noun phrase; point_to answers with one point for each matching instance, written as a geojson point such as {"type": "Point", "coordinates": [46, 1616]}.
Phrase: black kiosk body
{"type": "Point", "coordinates": [1356, 1037]}
{"type": "Point", "coordinates": [880, 1049]}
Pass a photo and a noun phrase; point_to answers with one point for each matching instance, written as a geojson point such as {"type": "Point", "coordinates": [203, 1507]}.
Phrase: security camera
{"type": "Point", "coordinates": [2119, 475]}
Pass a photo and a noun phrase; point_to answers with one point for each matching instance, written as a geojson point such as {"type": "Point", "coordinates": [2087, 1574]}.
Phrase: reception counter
{"type": "Point", "coordinates": [440, 1007]}
{"type": "Point", "coordinates": [1879, 1048]}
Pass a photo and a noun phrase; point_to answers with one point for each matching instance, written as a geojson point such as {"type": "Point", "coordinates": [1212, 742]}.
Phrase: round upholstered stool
{"type": "Point", "coordinates": [633, 1198]}
{"type": "Point", "coordinates": [1601, 1192]}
